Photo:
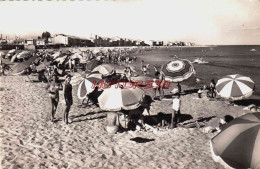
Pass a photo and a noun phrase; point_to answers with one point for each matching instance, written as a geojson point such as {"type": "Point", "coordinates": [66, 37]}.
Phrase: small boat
{"type": "Point", "coordinates": [199, 61]}
{"type": "Point", "coordinates": [252, 50]}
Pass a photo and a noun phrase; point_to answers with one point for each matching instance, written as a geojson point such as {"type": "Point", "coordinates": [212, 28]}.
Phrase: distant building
{"type": "Point", "coordinates": [39, 42]}
{"type": "Point", "coordinates": [28, 42]}
{"type": "Point", "coordinates": [150, 42]}
{"type": "Point", "coordinates": [19, 41]}
{"type": "Point", "coordinates": [68, 40]}
{"type": "Point", "coordinates": [3, 41]}
{"type": "Point", "coordinates": [189, 44]}
{"type": "Point", "coordinates": [159, 43]}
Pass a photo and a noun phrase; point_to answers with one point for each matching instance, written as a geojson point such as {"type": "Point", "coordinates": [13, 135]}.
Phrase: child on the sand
{"type": "Point", "coordinates": [176, 105]}
{"type": "Point", "coordinates": [199, 93]}
{"type": "Point", "coordinates": [144, 68]}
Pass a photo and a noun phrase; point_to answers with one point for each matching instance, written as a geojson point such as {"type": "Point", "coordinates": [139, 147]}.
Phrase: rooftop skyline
{"type": "Point", "coordinates": [208, 22]}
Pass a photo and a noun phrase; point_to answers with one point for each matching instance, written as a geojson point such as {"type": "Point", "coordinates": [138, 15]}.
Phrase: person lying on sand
{"type": "Point", "coordinates": [222, 123]}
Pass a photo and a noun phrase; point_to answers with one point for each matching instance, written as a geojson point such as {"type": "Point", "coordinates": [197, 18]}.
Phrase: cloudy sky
{"type": "Point", "coordinates": [209, 22]}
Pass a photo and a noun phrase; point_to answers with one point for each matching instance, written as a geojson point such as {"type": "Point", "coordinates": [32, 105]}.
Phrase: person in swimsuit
{"type": "Point", "coordinates": [53, 91]}
{"type": "Point", "coordinates": [68, 98]}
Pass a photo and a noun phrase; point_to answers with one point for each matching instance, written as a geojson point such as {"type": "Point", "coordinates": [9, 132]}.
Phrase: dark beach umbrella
{"type": "Point", "coordinates": [178, 70]}
{"type": "Point", "coordinates": [238, 144]}
{"type": "Point", "coordinates": [43, 65]}
{"type": "Point", "coordinates": [93, 64]}
{"type": "Point", "coordinates": [104, 69]}
{"type": "Point", "coordinates": [19, 68]}
{"type": "Point", "coordinates": [235, 87]}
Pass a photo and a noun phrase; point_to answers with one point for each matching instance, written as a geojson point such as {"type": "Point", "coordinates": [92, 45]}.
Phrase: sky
{"type": "Point", "coordinates": [204, 22]}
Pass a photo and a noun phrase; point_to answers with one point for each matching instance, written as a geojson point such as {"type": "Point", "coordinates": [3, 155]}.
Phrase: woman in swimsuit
{"type": "Point", "coordinates": [53, 90]}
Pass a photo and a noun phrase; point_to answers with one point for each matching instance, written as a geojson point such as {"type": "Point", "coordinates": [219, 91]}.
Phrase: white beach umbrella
{"type": "Point", "coordinates": [235, 87]}
{"type": "Point", "coordinates": [118, 97]}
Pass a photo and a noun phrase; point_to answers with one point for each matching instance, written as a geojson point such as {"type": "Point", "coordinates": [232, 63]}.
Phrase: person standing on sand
{"type": "Point", "coordinates": [53, 90]}
{"type": "Point", "coordinates": [176, 105]}
{"type": "Point", "coordinates": [212, 87]}
{"type": "Point", "coordinates": [162, 82]}
{"type": "Point", "coordinates": [68, 98]}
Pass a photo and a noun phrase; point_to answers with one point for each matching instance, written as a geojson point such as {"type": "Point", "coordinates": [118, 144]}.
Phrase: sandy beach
{"type": "Point", "coordinates": [30, 140]}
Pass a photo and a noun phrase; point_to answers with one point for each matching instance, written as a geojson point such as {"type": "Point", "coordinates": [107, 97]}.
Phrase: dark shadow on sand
{"type": "Point", "coordinates": [247, 102]}
{"type": "Point", "coordinates": [160, 117]}
{"type": "Point", "coordinates": [86, 119]}
{"type": "Point", "coordinates": [141, 140]}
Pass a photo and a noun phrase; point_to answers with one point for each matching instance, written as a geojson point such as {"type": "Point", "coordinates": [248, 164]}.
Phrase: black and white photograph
{"type": "Point", "coordinates": [130, 84]}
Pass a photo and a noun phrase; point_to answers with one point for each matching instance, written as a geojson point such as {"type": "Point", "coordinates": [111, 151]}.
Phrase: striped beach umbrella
{"type": "Point", "coordinates": [178, 70]}
{"type": "Point", "coordinates": [104, 69]}
{"type": "Point", "coordinates": [118, 97]}
{"type": "Point", "coordinates": [235, 87]}
{"type": "Point", "coordinates": [88, 84]}
{"type": "Point", "coordinates": [238, 144]}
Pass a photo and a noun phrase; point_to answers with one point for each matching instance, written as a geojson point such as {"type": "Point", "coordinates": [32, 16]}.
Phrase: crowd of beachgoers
{"type": "Point", "coordinates": [29, 102]}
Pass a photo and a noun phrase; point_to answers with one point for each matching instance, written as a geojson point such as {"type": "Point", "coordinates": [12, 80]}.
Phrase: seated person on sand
{"type": "Point", "coordinates": [222, 123]}
{"type": "Point", "coordinates": [200, 93]}
{"type": "Point", "coordinates": [205, 92]}
{"type": "Point", "coordinates": [144, 68]}
{"type": "Point", "coordinates": [90, 97]}
{"type": "Point", "coordinates": [128, 73]}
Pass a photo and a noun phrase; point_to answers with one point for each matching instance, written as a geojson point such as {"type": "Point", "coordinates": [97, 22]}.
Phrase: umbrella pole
{"type": "Point", "coordinates": [29, 78]}
{"type": "Point", "coordinates": [125, 119]}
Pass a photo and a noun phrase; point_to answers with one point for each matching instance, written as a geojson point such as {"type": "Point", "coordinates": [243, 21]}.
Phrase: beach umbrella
{"type": "Point", "coordinates": [238, 144]}
{"type": "Point", "coordinates": [10, 53]}
{"type": "Point", "coordinates": [88, 84]}
{"type": "Point", "coordinates": [20, 67]}
{"type": "Point", "coordinates": [118, 97]}
{"type": "Point", "coordinates": [14, 57]}
{"type": "Point", "coordinates": [76, 79]}
{"type": "Point", "coordinates": [76, 56]}
{"type": "Point", "coordinates": [56, 55]}
{"type": "Point", "coordinates": [93, 64]}
{"type": "Point", "coordinates": [43, 65]}
{"type": "Point", "coordinates": [143, 80]}
{"type": "Point", "coordinates": [178, 70]}
{"type": "Point", "coordinates": [23, 54]}
{"type": "Point", "coordinates": [104, 69]}
{"type": "Point", "coordinates": [62, 59]}
{"type": "Point", "coordinates": [235, 87]}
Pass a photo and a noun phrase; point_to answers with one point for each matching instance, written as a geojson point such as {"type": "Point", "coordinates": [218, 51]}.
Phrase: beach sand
{"type": "Point", "coordinates": [30, 140]}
